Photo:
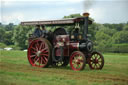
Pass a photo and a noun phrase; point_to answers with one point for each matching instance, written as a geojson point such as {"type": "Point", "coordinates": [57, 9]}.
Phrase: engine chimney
{"type": "Point", "coordinates": [86, 15]}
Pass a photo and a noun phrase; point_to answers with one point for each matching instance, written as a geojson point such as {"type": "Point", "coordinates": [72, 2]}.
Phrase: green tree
{"type": "Point", "coordinates": [8, 38]}
{"type": "Point", "coordinates": [125, 28]}
{"type": "Point", "coordinates": [117, 27]}
{"type": "Point", "coordinates": [92, 29]}
{"type": "Point", "coordinates": [2, 33]}
{"type": "Point", "coordinates": [73, 16]}
{"type": "Point", "coordinates": [2, 45]}
{"type": "Point", "coordinates": [9, 27]}
{"type": "Point", "coordinates": [103, 40]}
{"type": "Point", "coordinates": [20, 36]}
{"type": "Point", "coordinates": [108, 31]}
{"type": "Point", "coordinates": [120, 37]}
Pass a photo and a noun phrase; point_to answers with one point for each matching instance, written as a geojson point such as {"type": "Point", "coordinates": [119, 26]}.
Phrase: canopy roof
{"type": "Point", "coordinates": [70, 21]}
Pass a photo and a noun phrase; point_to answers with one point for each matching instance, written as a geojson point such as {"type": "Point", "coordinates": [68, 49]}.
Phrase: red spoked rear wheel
{"type": "Point", "coordinates": [77, 61]}
{"type": "Point", "coordinates": [96, 61]}
{"type": "Point", "coordinates": [39, 53]}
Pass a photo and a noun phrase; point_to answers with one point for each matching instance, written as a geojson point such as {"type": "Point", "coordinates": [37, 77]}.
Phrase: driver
{"type": "Point", "coordinates": [76, 33]}
{"type": "Point", "coordinates": [38, 31]}
{"type": "Point", "coordinates": [44, 31]}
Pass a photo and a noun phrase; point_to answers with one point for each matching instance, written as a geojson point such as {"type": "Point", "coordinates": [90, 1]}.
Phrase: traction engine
{"type": "Point", "coordinates": [61, 48]}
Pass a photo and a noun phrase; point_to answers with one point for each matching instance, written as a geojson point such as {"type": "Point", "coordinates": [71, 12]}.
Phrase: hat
{"type": "Point", "coordinates": [42, 26]}
{"type": "Point", "coordinates": [38, 26]}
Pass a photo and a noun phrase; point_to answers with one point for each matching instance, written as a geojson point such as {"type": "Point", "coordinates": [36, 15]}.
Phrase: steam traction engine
{"type": "Point", "coordinates": [60, 48]}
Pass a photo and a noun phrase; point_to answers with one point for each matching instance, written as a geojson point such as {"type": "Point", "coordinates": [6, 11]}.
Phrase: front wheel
{"type": "Point", "coordinates": [96, 61]}
{"type": "Point", "coordinates": [77, 61]}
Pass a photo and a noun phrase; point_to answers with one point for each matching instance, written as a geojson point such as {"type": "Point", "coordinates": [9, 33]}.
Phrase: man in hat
{"type": "Point", "coordinates": [44, 31]}
{"type": "Point", "coordinates": [38, 31]}
{"type": "Point", "coordinates": [76, 33]}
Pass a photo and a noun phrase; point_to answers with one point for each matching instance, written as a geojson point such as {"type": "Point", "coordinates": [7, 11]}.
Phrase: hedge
{"type": "Point", "coordinates": [120, 48]}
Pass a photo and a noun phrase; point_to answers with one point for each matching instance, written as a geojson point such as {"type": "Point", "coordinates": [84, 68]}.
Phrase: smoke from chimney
{"type": "Point", "coordinates": [88, 4]}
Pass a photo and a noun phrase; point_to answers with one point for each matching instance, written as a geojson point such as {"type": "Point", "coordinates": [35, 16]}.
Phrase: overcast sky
{"type": "Point", "coordinates": [102, 11]}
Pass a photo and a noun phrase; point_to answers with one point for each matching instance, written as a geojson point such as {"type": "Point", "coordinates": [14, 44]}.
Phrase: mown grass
{"type": "Point", "coordinates": [15, 70]}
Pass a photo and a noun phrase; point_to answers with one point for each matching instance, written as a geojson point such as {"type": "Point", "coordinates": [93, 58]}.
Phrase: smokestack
{"type": "Point", "coordinates": [86, 15]}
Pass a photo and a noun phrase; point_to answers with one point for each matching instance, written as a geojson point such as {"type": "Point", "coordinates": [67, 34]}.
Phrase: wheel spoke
{"type": "Point", "coordinates": [81, 61]}
{"type": "Point", "coordinates": [93, 65]}
{"type": "Point", "coordinates": [44, 49]}
{"type": "Point", "coordinates": [40, 46]}
{"type": "Point", "coordinates": [33, 52]}
{"type": "Point", "coordinates": [99, 61]}
{"type": "Point", "coordinates": [73, 62]}
{"type": "Point", "coordinates": [36, 60]}
{"type": "Point", "coordinates": [99, 57]}
{"type": "Point", "coordinates": [39, 61]}
{"type": "Point", "coordinates": [96, 58]}
{"type": "Point", "coordinates": [93, 57]}
{"type": "Point", "coordinates": [43, 45]}
{"type": "Point", "coordinates": [32, 56]}
{"type": "Point", "coordinates": [43, 60]}
{"type": "Point", "coordinates": [44, 54]}
{"type": "Point", "coordinates": [96, 66]}
{"type": "Point", "coordinates": [91, 60]}
{"type": "Point", "coordinates": [34, 48]}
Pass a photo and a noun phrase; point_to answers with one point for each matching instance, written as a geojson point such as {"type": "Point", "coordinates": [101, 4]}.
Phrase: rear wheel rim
{"type": "Point", "coordinates": [38, 53]}
{"type": "Point", "coordinates": [96, 61]}
{"type": "Point", "coordinates": [77, 61]}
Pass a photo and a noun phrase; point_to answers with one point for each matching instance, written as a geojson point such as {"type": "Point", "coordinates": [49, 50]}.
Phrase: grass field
{"type": "Point", "coordinates": [15, 70]}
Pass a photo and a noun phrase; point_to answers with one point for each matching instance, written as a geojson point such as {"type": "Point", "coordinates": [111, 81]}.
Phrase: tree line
{"type": "Point", "coordinates": [106, 37]}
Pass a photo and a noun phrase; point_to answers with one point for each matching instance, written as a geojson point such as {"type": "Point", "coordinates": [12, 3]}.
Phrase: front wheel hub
{"type": "Point", "coordinates": [38, 53]}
